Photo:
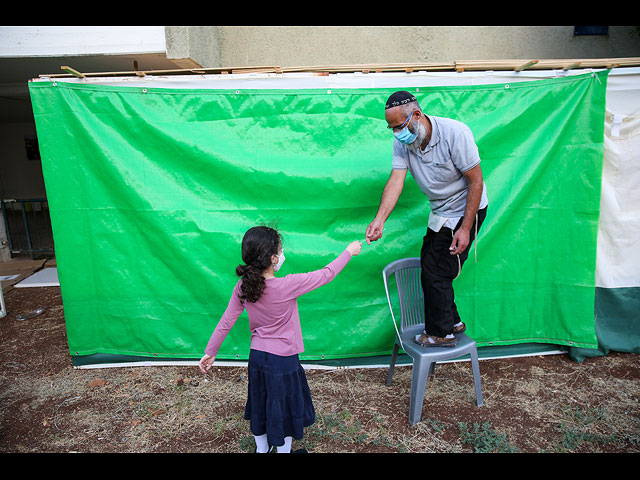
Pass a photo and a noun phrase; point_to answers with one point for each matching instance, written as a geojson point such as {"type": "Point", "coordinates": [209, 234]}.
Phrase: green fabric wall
{"type": "Point", "coordinates": [151, 191]}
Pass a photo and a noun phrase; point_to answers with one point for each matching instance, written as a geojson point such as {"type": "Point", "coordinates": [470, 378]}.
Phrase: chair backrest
{"type": "Point", "coordinates": [411, 299]}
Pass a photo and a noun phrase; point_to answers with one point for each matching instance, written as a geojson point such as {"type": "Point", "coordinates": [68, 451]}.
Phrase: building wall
{"type": "Point", "coordinates": [20, 176]}
{"type": "Point", "coordinates": [239, 46]}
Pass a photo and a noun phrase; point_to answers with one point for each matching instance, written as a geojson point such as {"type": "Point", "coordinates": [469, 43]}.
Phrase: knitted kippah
{"type": "Point", "coordinates": [399, 98]}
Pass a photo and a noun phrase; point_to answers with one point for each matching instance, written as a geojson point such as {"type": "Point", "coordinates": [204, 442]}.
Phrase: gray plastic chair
{"type": "Point", "coordinates": [407, 276]}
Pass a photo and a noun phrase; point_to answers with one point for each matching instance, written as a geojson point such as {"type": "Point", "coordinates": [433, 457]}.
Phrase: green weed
{"type": "Point", "coordinates": [484, 438]}
{"type": "Point", "coordinates": [581, 427]}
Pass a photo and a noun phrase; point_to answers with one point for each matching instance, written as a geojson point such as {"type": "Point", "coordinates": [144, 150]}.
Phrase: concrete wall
{"type": "Point", "coordinates": [238, 46]}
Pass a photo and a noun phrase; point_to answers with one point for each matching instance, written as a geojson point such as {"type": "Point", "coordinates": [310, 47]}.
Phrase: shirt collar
{"type": "Point", "coordinates": [435, 134]}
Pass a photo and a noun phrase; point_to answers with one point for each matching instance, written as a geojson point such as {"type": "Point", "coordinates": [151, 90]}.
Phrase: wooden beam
{"type": "Point", "coordinates": [525, 65]}
{"type": "Point", "coordinates": [460, 66]}
{"type": "Point", "coordinates": [72, 71]}
{"type": "Point", "coordinates": [571, 65]}
{"type": "Point", "coordinates": [137, 70]}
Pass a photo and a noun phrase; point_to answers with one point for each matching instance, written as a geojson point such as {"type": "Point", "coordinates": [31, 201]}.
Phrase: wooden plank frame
{"type": "Point", "coordinates": [458, 66]}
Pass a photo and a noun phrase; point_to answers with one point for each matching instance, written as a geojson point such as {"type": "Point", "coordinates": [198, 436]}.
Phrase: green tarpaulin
{"type": "Point", "coordinates": [151, 190]}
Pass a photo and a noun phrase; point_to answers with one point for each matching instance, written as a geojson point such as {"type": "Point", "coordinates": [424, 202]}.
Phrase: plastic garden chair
{"type": "Point", "coordinates": [411, 299]}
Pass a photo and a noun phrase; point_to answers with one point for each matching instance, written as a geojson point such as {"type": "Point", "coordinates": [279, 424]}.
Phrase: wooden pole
{"type": "Point", "coordinates": [72, 71]}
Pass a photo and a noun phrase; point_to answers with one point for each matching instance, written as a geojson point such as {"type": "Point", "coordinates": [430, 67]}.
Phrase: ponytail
{"type": "Point", "coordinates": [258, 246]}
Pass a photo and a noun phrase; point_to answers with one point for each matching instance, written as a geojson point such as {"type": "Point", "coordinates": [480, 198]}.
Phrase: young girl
{"type": "Point", "coordinates": [279, 404]}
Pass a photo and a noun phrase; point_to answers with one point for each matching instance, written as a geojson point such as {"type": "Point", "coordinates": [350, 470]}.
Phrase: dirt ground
{"type": "Point", "coordinates": [532, 404]}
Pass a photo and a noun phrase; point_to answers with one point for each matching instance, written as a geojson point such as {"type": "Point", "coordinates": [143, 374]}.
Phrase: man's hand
{"type": "Point", "coordinates": [474, 195]}
{"type": "Point", "coordinates": [390, 195]}
{"type": "Point", "coordinates": [460, 242]}
{"type": "Point", "coordinates": [374, 231]}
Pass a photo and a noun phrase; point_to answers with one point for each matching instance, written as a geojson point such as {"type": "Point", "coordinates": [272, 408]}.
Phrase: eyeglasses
{"type": "Point", "coordinates": [403, 125]}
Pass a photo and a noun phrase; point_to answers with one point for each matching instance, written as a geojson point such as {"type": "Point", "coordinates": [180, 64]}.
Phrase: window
{"type": "Point", "coordinates": [31, 145]}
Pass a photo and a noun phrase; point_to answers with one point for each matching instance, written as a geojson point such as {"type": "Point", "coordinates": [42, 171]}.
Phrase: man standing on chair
{"type": "Point", "coordinates": [443, 159]}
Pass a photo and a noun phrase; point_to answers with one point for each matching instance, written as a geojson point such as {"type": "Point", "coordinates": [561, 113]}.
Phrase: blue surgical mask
{"type": "Point", "coordinates": [405, 136]}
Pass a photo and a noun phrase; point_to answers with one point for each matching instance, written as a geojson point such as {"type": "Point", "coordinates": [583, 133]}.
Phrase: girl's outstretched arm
{"type": "Point", "coordinates": [306, 282]}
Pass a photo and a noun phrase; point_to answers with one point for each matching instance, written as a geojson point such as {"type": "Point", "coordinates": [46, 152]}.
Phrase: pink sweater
{"type": "Point", "coordinates": [274, 320]}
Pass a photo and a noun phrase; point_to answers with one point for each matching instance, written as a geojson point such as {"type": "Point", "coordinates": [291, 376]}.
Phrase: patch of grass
{"type": "Point", "coordinates": [437, 425]}
{"type": "Point", "coordinates": [483, 438]}
{"type": "Point", "coordinates": [337, 426]}
{"type": "Point", "coordinates": [582, 426]}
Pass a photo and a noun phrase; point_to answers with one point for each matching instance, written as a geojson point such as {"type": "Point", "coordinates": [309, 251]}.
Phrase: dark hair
{"type": "Point", "coordinates": [258, 245]}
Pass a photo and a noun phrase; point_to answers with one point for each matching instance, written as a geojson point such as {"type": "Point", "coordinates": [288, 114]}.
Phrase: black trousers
{"type": "Point", "coordinates": [439, 269]}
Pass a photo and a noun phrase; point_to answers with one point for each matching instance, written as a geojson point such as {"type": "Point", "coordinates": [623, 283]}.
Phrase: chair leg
{"type": "Point", "coordinates": [477, 382]}
{"type": "Point", "coordinates": [419, 377]}
{"type": "Point", "coordinates": [392, 365]}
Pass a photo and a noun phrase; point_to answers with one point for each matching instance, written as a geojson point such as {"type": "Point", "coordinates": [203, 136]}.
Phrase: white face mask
{"type": "Point", "coordinates": [280, 262]}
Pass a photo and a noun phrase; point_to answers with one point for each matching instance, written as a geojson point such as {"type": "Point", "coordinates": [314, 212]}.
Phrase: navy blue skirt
{"type": "Point", "coordinates": [279, 400]}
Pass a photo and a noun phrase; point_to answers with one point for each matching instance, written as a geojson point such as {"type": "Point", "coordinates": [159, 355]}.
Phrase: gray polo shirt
{"type": "Point", "coordinates": [438, 169]}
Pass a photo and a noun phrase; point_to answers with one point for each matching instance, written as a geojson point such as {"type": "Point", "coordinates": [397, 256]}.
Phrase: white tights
{"type": "Point", "coordinates": [262, 446]}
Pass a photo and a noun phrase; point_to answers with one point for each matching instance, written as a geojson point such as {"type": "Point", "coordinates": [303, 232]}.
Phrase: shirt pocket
{"type": "Point", "coordinates": [443, 171]}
